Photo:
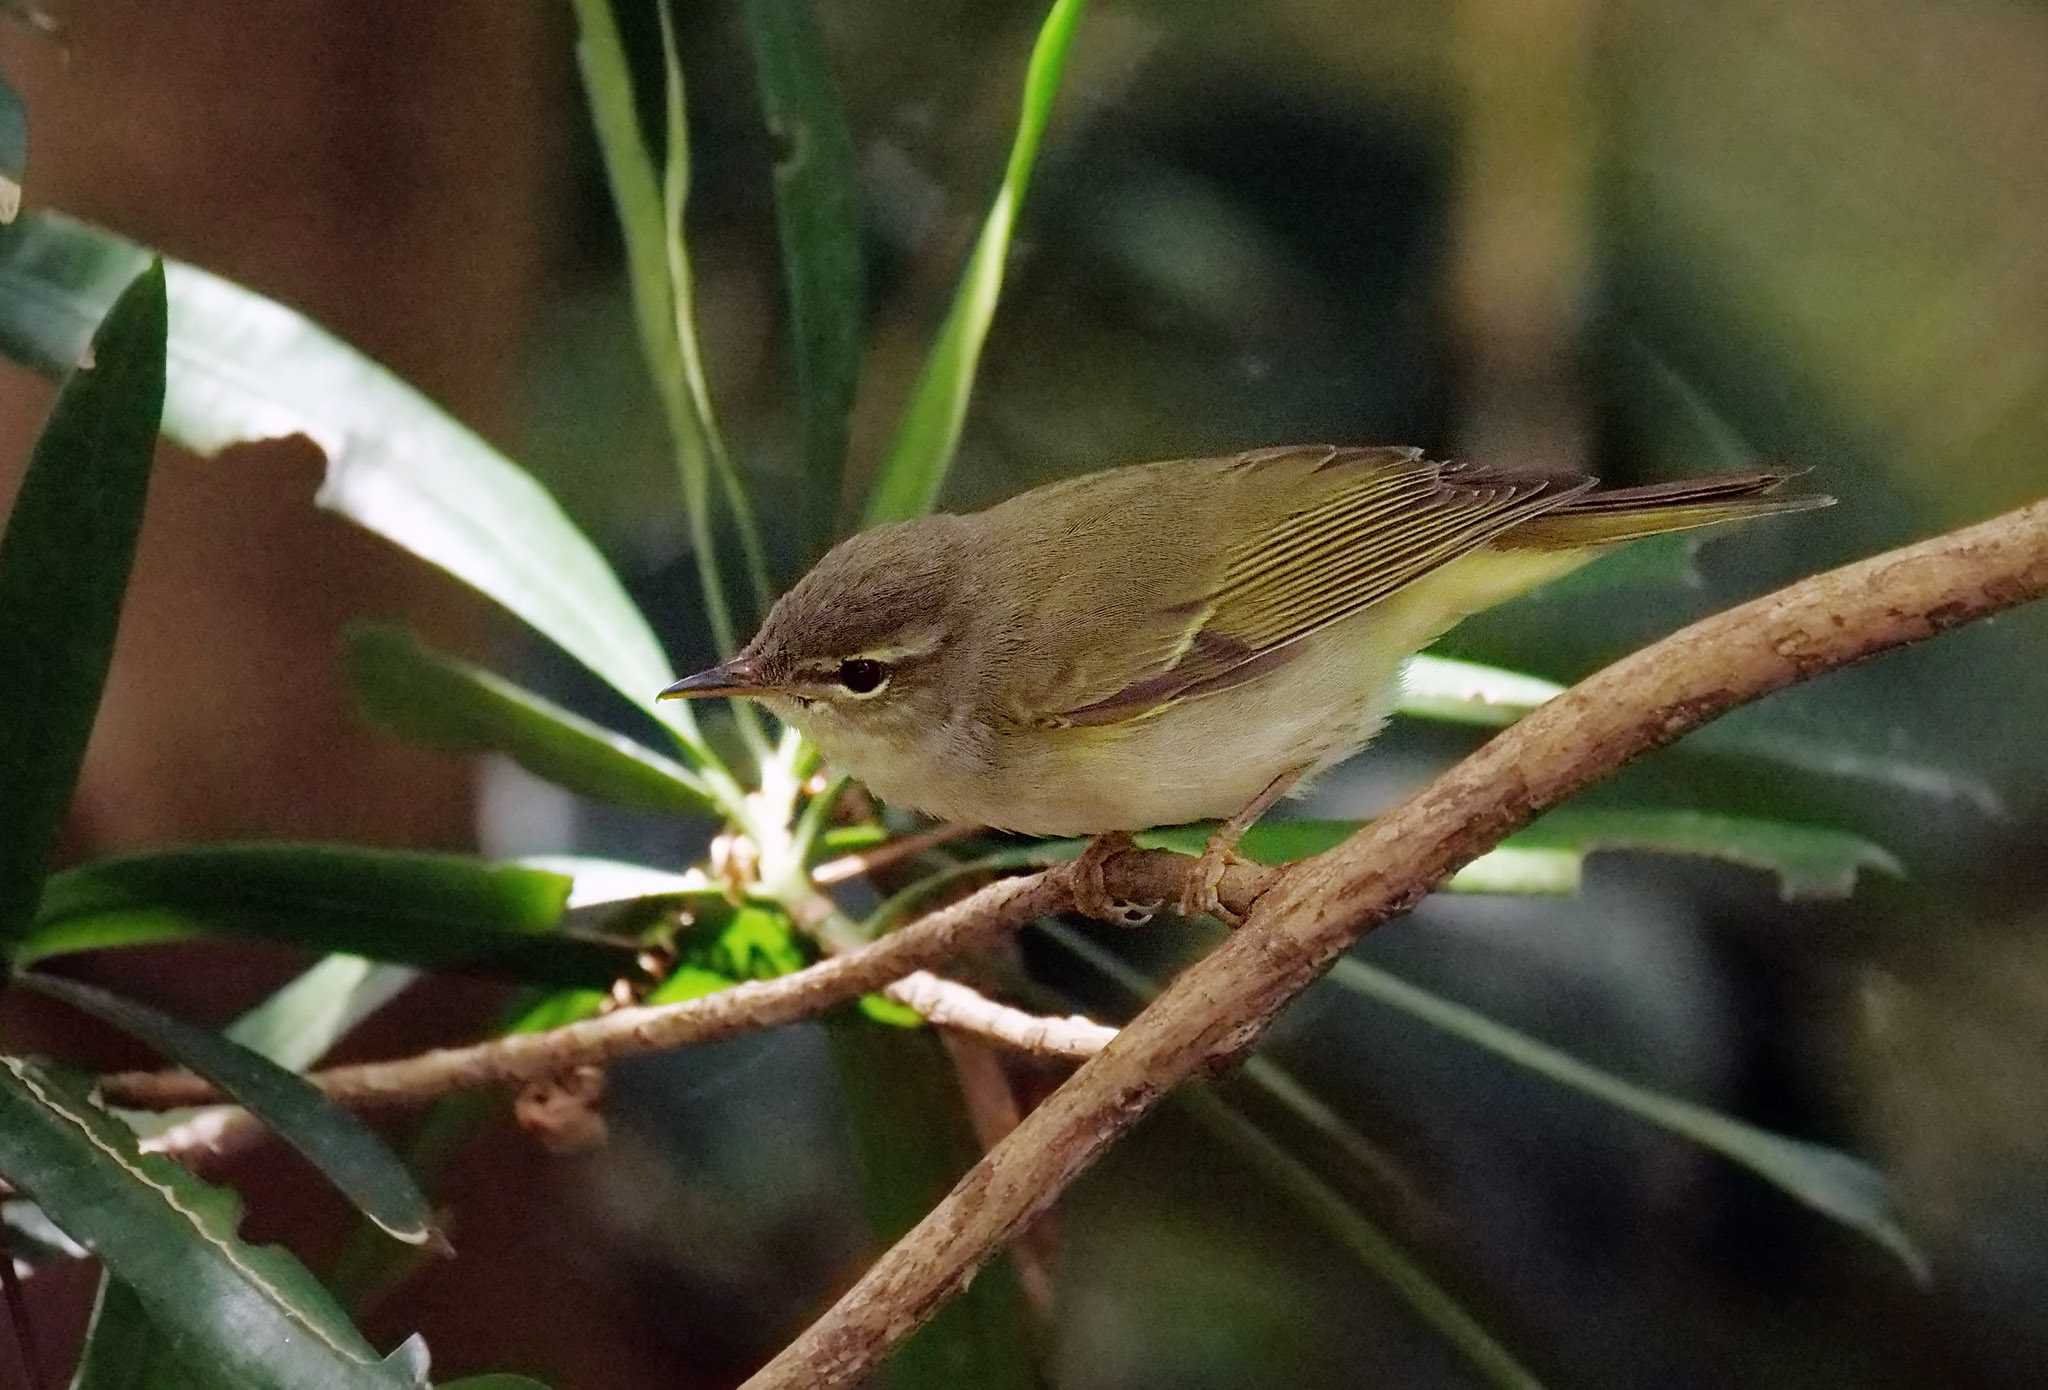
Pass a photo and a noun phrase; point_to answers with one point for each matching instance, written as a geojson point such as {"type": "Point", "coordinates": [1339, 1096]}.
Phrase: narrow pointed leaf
{"type": "Point", "coordinates": [1375, 1249]}
{"type": "Point", "coordinates": [650, 213]}
{"type": "Point", "coordinates": [817, 220]}
{"type": "Point", "coordinates": [1466, 692]}
{"type": "Point", "coordinates": [1454, 691]}
{"type": "Point", "coordinates": [253, 1313]}
{"type": "Point", "coordinates": [1834, 1183]}
{"type": "Point", "coordinates": [243, 368]}
{"type": "Point", "coordinates": [125, 1350]}
{"type": "Point", "coordinates": [915, 467]}
{"type": "Point", "coordinates": [64, 564]}
{"type": "Point", "coordinates": [1548, 858]}
{"type": "Point", "coordinates": [429, 698]}
{"type": "Point", "coordinates": [13, 149]}
{"type": "Point", "coordinates": [336, 1142]}
{"type": "Point", "coordinates": [297, 1026]}
{"type": "Point", "coordinates": [441, 911]}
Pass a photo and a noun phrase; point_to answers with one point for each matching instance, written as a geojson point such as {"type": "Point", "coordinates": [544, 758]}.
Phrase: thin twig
{"type": "Point", "coordinates": [1220, 1006]}
{"type": "Point", "coordinates": [890, 852]}
{"type": "Point", "coordinates": [982, 917]}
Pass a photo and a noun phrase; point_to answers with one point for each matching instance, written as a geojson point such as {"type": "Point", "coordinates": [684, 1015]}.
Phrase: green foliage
{"type": "Point", "coordinates": [429, 698]}
{"type": "Point", "coordinates": [443, 911]}
{"type": "Point", "coordinates": [63, 569]}
{"type": "Point", "coordinates": [752, 942]}
{"type": "Point", "coordinates": [253, 1313]}
{"type": "Point", "coordinates": [13, 150]}
{"type": "Point", "coordinates": [915, 467]}
{"type": "Point", "coordinates": [185, 1302]}
{"type": "Point", "coordinates": [1828, 1180]}
{"type": "Point", "coordinates": [337, 1143]}
{"type": "Point", "coordinates": [817, 218]}
{"type": "Point", "coordinates": [1373, 1247]}
{"type": "Point", "coordinates": [243, 367]}
{"type": "Point", "coordinates": [912, 1140]}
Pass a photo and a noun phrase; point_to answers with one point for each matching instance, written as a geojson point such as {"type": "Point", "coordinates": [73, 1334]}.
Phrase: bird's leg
{"type": "Point", "coordinates": [1199, 896]}
{"type": "Point", "coordinates": [1091, 897]}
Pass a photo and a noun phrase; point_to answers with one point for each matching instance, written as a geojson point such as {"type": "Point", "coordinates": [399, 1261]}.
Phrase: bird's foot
{"type": "Point", "coordinates": [1091, 896]}
{"type": "Point", "coordinates": [1198, 896]}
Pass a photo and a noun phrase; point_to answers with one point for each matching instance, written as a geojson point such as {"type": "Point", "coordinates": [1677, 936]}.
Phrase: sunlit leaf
{"type": "Point", "coordinates": [243, 367]}
{"type": "Point", "coordinates": [817, 219]}
{"type": "Point", "coordinates": [441, 911]}
{"type": "Point", "coordinates": [1832, 1182]}
{"type": "Point", "coordinates": [1375, 1249]}
{"type": "Point", "coordinates": [253, 1312]}
{"type": "Point", "coordinates": [13, 149]}
{"type": "Point", "coordinates": [333, 1139]}
{"type": "Point", "coordinates": [298, 1024]}
{"type": "Point", "coordinates": [914, 469]}
{"type": "Point", "coordinates": [1465, 692]}
{"type": "Point", "coordinates": [752, 942]}
{"type": "Point", "coordinates": [429, 698]}
{"type": "Point", "coordinates": [64, 564]}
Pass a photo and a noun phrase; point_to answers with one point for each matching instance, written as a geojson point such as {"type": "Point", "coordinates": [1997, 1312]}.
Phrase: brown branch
{"type": "Point", "coordinates": [1219, 1007]}
{"type": "Point", "coordinates": [896, 959]}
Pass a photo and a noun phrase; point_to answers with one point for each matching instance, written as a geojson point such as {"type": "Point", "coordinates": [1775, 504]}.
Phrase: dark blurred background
{"type": "Point", "coordinates": [1634, 238]}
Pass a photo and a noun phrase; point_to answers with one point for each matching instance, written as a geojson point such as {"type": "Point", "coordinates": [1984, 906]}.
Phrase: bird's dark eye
{"type": "Point", "coordinates": [863, 675]}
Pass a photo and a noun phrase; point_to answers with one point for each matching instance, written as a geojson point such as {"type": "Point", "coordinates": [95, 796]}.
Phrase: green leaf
{"type": "Point", "coordinates": [336, 1142]}
{"type": "Point", "coordinates": [1809, 861]}
{"type": "Point", "coordinates": [297, 1026]}
{"type": "Point", "coordinates": [817, 220]}
{"type": "Point", "coordinates": [753, 942]}
{"type": "Point", "coordinates": [422, 695]}
{"type": "Point", "coordinates": [63, 571]}
{"type": "Point", "coordinates": [651, 222]}
{"type": "Point", "coordinates": [13, 149]}
{"type": "Point", "coordinates": [253, 1313]}
{"type": "Point", "coordinates": [912, 472]}
{"type": "Point", "coordinates": [1834, 1183]}
{"type": "Point", "coordinates": [1467, 692]}
{"type": "Point", "coordinates": [1375, 1249]}
{"type": "Point", "coordinates": [912, 1140]}
{"type": "Point", "coordinates": [1259, 1072]}
{"type": "Point", "coordinates": [124, 1350]}
{"type": "Point", "coordinates": [243, 367]}
{"type": "Point", "coordinates": [442, 911]}
{"type": "Point", "coordinates": [1547, 858]}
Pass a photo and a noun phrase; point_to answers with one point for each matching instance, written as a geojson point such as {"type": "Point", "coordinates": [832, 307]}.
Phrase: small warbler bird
{"type": "Point", "coordinates": [1168, 642]}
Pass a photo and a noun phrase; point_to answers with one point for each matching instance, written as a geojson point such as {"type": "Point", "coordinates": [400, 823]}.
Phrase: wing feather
{"type": "Point", "coordinates": [1351, 528]}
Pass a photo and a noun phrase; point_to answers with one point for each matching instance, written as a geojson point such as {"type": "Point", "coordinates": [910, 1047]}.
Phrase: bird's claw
{"type": "Point", "coordinates": [1198, 897]}
{"type": "Point", "coordinates": [1091, 896]}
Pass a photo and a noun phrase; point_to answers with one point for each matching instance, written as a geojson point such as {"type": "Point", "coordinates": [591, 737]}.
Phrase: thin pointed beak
{"type": "Point", "coordinates": [735, 677]}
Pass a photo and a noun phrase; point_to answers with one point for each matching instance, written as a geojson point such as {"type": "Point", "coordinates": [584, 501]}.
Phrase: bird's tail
{"type": "Point", "coordinates": [1630, 513]}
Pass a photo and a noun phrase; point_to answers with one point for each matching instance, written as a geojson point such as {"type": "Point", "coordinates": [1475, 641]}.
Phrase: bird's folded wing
{"type": "Point", "coordinates": [1341, 530]}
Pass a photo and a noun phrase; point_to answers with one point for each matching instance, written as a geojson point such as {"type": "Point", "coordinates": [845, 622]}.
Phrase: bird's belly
{"type": "Point", "coordinates": [1203, 759]}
